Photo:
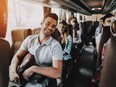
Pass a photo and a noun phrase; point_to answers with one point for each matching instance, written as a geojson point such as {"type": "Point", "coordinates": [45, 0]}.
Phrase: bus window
{"type": "Point", "coordinates": [22, 14]}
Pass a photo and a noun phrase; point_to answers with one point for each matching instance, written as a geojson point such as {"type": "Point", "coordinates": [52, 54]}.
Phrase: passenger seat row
{"type": "Point", "coordinates": [4, 62]}
{"type": "Point", "coordinates": [7, 52]}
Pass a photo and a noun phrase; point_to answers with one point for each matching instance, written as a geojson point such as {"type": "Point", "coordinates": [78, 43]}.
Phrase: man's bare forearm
{"type": "Point", "coordinates": [47, 71]}
{"type": "Point", "coordinates": [14, 64]}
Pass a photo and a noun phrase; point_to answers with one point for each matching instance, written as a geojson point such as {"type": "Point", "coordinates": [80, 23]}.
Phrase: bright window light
{"type": "Point", "coordinates": [22, 15]}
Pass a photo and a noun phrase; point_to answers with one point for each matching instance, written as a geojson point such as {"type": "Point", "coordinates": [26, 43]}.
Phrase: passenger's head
{"type": "Point", "coordinates": [49, 23]}
{"type": "Point", "coordinates": [101, 20]}
{"type": "Point", "coordinates": [52, 15]}
{"type": "Point", "coordinates": [62, 27]}
{"type": "Point", "coordinates": [107, 19]}
{"type": "Point", "coordinates": [74, 23]}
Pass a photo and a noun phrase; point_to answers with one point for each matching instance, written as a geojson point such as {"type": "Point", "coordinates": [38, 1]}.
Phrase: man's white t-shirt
{"type": "Point", "coordinates": [44, 53]}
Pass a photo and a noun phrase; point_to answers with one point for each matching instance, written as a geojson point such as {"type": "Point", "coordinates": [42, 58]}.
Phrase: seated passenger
{"type": "Point", "coordinates": [76, 31]}
{"type": "Point", "coordinates": [77, 41]}
{"type": "Point", "coordinates": [105, 35]}
{"type": "Point", "coordinates": [108, 75]}
{"type": "Point", "coordinates": [99, 28]}
{"type": "Point", "coordinates": [47, 53]}
{"type": "Point", "coordinates": [65, 40]}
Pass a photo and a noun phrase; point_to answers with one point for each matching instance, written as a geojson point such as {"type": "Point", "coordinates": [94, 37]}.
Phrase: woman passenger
{"type": "Point", "coordinates": [77, 41]}
{"type": "Point", "coordinates": [65, 40]}
{"type": "Point", "coordinates": [76, 31]}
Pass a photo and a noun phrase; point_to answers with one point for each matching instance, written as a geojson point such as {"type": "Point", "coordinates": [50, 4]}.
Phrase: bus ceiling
{"type": "Point", "coordinates": [86, 7]}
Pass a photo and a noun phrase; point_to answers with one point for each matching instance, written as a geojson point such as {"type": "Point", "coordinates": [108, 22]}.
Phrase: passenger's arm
{"type": "Point", "coordinates": [15, 60]}
{"type": "Point", "coordinates": [68, 45]}
{"type": "Point", "coordinates": [14, 63]}
{"type": "Point", "coordinates": [53, 72]}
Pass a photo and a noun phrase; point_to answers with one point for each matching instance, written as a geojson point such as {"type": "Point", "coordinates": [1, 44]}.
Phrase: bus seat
{"type": "Point", "coordinates": [36, 30]}
{"type": "Point", "coordinates": [108, 76]}
{"type": "Point", "coordinates": [18, 35]}
{"type": "Point", "coordinates": [105, 35]}
{"type": "Point", "coordinates": [4, 61]}
{"type": "Point", "coordinates": [56, 34]}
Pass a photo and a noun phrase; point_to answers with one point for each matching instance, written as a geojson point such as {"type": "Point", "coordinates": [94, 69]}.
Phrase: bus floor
{"type": "Point", "coordinates": [82, 72]}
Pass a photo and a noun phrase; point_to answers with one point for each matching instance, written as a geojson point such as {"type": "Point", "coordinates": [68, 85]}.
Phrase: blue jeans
{"type": "Point", "coordinates": [35, 84]}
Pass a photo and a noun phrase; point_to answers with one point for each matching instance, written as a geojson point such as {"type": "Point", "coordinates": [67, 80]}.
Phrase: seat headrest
{"type": "Point", "coordinates": [20, 34]}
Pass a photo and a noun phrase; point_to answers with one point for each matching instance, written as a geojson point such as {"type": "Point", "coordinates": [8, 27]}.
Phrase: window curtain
{"type": "Point", "coordinates": [62, 15]}
{"type": "Point", "coordinates": [70, 17]}
{"type": "Point", "coordinates": [3, 17]}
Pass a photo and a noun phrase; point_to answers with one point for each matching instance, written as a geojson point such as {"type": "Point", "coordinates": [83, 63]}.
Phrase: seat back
{"type": "Point", "coordinates": [108, 76]}
{"type": "Point", "coordinates": [36, 30]}
{"type": "Point", "coordinates": [4, 61]}
{"type": "Point", "coordinates": [18, 35]}
{"type": "Point", "coordinates": [105, 35]}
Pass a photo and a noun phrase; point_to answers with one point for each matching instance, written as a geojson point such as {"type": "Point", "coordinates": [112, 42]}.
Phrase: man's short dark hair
{"type": "Point", "coordinates": [107, 16]}
{"type": "Point", "coordinates": [52, 15]}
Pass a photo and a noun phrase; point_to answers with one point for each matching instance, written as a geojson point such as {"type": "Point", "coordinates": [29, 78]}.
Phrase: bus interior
{"type": "Point", "coordinates": [21, 18]}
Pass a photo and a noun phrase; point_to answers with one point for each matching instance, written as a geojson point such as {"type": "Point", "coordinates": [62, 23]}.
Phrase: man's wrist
{"type": "Point", "coordinates": [34, 68]}
{"type": "Point", "coordinates": [13, 71]}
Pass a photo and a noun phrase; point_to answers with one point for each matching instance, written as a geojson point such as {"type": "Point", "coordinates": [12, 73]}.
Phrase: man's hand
{"type": "Point", "coordinates": [28, 72]}
{"type": "Point", "coordinates": [14, 77]}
